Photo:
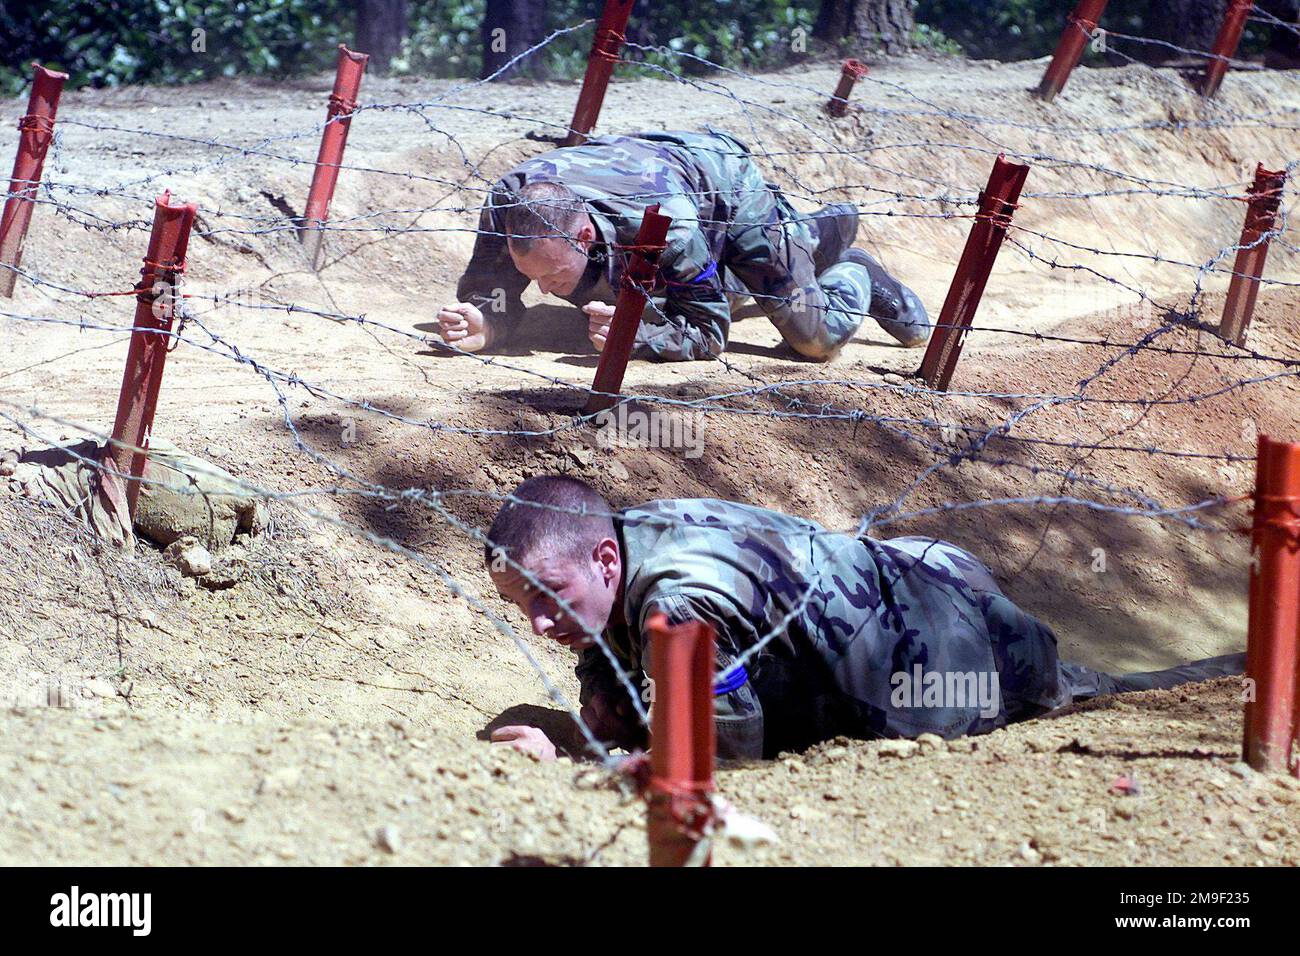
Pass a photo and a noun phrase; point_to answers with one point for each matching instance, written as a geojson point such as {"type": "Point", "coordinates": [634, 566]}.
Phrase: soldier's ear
{"type": "Point", "coordinates": [607, 557]}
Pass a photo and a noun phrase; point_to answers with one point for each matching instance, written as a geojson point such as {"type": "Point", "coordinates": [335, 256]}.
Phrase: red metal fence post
{"type": "Point", "coordinates": [997, 203]}
{"type": "Point", "coordinates": [1225, 44]}
{"type": "Point", "coordinates": [1079, 27]}
{"type": "Point", "coordinates": [637, 281]}
{"type": "Point", "coordinates": [1239, 306]}
{"type": "Point", "coordinates": [850, 73]}
{"type": "Point", "coordinates": [682, 742]}
{"type": "Point", "coordinates": [1273, 638]}
{"type": "Point", "coordinates": [156, 296]}
{"type": "Point", "coordinates": [600, 65]}
{"type": "Point", "coordinates": [347, 81]}
{"type": "Point", "coordinates": [37, 129]}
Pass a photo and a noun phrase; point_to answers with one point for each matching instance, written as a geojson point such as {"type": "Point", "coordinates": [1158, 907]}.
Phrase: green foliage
{"type": "Point", "coordinates": [444, 39]}
{"type": "Point", "coordinates": [1016, 29]}
{"type": "Point", "coordinates": [108, 42]}
{"type": "Point", "coordinates": [1020, 29]}
{"type": "Point", "coordinates": [931, 38]}
{"type": "Point", "coordinates": [745, 34]}
{"type": "Point", "coordinates": [154, 41]}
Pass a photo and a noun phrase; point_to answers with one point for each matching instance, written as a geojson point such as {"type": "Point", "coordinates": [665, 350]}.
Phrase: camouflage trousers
{"type": "Point", "coordinates": [773, 265]}
{"type": "Point", "coordinates": [769, 251]}
{"type": "Point", "coordinates": [1084, 682]}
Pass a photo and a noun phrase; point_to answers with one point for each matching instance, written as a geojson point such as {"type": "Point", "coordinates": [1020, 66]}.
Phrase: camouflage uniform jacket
{"type": "Point", "coordinates": [849, 614]}
{"type": "Point", "coordinates": [699, 180]}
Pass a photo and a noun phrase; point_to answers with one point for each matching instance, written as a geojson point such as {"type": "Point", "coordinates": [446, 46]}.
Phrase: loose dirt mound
{"type": "Point", "coordinates": [167, 790]}
{"type": "Point", "coordinates": [218, 717]}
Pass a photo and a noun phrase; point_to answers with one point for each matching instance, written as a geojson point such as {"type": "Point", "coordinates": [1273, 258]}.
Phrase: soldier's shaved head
{"type": "Point", "coordinates": [558, 529]}
{"type": "Point", "coordinates": [544, 209]}
{"type": "Point", "coordinates": [550, 233]}
{"type": "Point", "coordinates": [565, 568]}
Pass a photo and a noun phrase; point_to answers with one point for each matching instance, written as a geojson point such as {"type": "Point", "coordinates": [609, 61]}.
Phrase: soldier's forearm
{"type": "Point", "coordinates": [676, 341]}
{"type": "Point", "coordinates": [491, 332]}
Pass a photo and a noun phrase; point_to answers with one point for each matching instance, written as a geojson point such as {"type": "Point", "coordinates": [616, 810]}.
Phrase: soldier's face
{"type": "Point", "coordinates": [556, 264]}
{"type": "Point", "coordinates": [588, 585]}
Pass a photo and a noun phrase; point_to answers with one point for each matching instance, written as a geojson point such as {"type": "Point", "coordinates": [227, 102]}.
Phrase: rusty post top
{"type": "Point", "coordinates": [855, 68]}
{"type": "Point", "coordinates": [651, 236]}
{"type": "Point", "coordinates": [1268, 180]}
{"type": "Point", "coordinates": [170, 239]}
{"type": "Point", "coordinates": [1004, 185]}
{"type": "Point", "coordinates": [47, 73]}
{"type": "Point", "coordinates": [164, 202]}
{"type": "Point", "coordinates": [1267, 444]}
{"type": "Point", "coordinates": [1003, 161]}
{"type": "Point", "coordinates": [1011, 173]}
{"type": "Point", "coordinates": [352, 55]}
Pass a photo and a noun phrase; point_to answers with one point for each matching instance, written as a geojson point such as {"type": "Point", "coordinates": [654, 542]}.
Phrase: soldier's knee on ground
{"type": "Point", "coordinates": [817, 349]}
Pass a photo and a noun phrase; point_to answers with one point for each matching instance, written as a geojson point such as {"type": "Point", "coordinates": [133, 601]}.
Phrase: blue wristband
{"type": "Point", "coordinates": [731, 680]}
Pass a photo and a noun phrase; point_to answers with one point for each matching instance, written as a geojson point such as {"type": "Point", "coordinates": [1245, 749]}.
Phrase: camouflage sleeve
{"type": "Point", "coordinates": [738, 714]}
{"type": "Point", "coordinates": [696, 316]}
{"type": "Point", "coordinates": [491, 280]}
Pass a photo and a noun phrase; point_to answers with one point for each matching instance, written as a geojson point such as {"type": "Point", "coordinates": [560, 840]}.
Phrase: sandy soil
{"type": "Point", "coordinates": [340, 688]}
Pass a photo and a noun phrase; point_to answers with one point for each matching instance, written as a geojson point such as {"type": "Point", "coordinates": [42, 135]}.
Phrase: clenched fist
{"type": "Point", "coordinates": [599, 316]}
{"type": "Point", "coordinates": [463, 326]}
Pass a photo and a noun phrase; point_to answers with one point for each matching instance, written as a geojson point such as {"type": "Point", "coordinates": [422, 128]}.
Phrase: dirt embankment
{"type": "Point", "coordinates": [341, 688]}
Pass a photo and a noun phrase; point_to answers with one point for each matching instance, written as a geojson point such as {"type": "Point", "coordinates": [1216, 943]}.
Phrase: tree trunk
{"type": "Point", "coordinates": [381, 28]}
{"type": "Point", "coordinates": [833, 20]}
{"type": "Point", "coordinates": [509, 28]}
{"type": "Point", "coordinates": [877, 24]}
{"type": "Point", "coordinates": [1190, 24]}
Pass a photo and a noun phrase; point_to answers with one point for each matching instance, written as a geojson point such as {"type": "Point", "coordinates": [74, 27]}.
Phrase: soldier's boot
{"type": "Point", "coordinates": [834, 227]}
{"type": "Point", "coordinates": [893, 305]}
{"type": "Point", "coordinates": [1084, 682]}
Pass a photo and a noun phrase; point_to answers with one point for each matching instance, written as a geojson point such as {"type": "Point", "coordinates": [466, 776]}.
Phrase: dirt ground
{"type": "Point", "coordinates": [332, 706]}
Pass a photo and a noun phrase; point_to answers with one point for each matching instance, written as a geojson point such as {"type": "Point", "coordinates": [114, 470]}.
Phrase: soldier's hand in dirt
{"type": "Point", "coordinates": [463, 326]}
{"type": "Point", "coordinates": [528, 740]}
{"type": "Point", "coordinates": [598, 319]}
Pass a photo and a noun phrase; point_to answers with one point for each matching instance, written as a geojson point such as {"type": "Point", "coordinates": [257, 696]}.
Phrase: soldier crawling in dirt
{"type": "Point", "coordinates": [566, 218]}
{"type": "Point", "coordinates": [818, 633]}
